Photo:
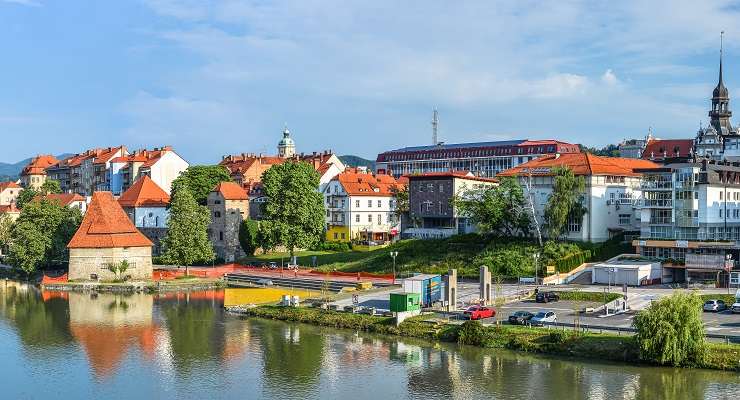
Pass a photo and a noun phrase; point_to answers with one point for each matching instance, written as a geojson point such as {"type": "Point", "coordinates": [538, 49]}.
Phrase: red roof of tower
{"type": "Point", "coordinates": [106, 226]}
{"type": "Point", "coordinates": [144, 193]}
{"type": "Point", "coordinates": [231, 191]}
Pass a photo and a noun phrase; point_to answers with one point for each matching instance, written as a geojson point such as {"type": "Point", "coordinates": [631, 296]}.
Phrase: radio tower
{"type": "Point", "coordinates": [435, 123]}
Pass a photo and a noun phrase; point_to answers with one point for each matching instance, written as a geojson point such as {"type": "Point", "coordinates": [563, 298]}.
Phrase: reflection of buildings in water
{"type": "Point", "coordinates": [237, 340]}
{"type": "Point", "coordinates": [290, 358]}
{"type": "Point", "coordinates": [107, 325]}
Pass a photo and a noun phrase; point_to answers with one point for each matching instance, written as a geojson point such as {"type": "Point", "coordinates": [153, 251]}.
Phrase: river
{"type": "Point", "coordinates": [183, 346]}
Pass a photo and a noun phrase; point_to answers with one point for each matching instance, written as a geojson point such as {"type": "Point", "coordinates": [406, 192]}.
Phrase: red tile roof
{"type": "Point", "coordinates": [106, 225]}
{"type": "Point", "coordinates": [65, 199]}
{"type": "Point", "coordinates": [364, 184]}
{"type": "Point", "coordinates": [144, 193]}
{"type": "Point", "coordinates": [452, 174]}
{"type": "Point", "coordinates": [106, 155]}
{"type": "Point", "coordinates": [10, 208]}
{"type": "Point", "coordinates": [581, 164]}
{"type": "Point", "coordinates": [662, 148]}
{"type": "Point", "coordinates": [231, 191]}
{"type": "Point", "coordinates": [38, 165]}
{"type": "Point", "coordinates": [9, 185]}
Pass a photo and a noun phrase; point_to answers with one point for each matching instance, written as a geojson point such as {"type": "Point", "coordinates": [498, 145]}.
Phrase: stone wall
{"type": "Point", "coordinates": [87, 261]}
{"type": "Point", "coordinates": [226, 217]}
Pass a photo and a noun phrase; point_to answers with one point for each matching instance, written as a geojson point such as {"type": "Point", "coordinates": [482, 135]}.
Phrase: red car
{"type": "Point", "coordinates": [479, 312]}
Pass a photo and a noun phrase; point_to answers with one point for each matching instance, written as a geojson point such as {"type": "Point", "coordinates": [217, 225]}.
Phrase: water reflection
{"type": "Point", "coordinates": [184, 346]}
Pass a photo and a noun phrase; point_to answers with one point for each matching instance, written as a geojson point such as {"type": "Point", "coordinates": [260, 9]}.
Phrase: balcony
{"type": "Point", "coordinates": [662, 203]}
{"type": "Point", "coordinates": [656, 185]}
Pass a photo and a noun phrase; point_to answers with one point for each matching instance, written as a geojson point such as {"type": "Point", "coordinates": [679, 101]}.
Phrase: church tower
{"type": "Point", "coordinates": [719, 115]}
{"type": "Point", "coordinates": [286, 146]}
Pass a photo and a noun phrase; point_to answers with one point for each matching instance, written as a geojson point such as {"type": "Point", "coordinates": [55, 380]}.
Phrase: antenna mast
{"type": "Point", "coordinates": [435, 124]}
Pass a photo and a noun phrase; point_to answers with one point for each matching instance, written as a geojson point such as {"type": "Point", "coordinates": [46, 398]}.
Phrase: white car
{"type": "Point", "coordinates": [715, 305]}
{"type": "Point", "coordinates": [735, 308]}
{"type": "Point", "coordinates": [543, 317]}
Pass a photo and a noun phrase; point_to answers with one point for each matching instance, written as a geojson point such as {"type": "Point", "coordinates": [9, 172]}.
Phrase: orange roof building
{"type": "Point", "coordinates": [9, 192]}
{"type": "Point", "coordinates": [144, 193]}
{"type": "Point", "coordinates": [146, 204]}
{"type": "Point", "coordinates": [11, 211]}
{"type": "Point", "coordinates": [69, 200]}
{"type": "Point", "coordinates": [611, 196]}
{"type": "Point", "coordinates": [33, 175]}
{"type": "Point", "coordinates": [228, 204]}
{"type": "Point", "coordinates": [107, 237]}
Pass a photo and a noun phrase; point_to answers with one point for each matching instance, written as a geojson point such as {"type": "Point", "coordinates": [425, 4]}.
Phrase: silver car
{"type": "Point", "coordinates": [543, 317]}
{"type": "Point", "coordinates": [735, 308]}
{"type": "Point", "coordinates": [715, 305]}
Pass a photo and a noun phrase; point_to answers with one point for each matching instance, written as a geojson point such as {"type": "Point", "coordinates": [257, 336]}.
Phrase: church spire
{"type": "Point", "coordinates": [721, 40]}
{"type": "Point", "coordinates": [720, 113]}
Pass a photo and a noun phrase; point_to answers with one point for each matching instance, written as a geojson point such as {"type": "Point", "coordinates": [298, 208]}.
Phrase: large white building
{"type": "Point", "coordinates": [611, 198]}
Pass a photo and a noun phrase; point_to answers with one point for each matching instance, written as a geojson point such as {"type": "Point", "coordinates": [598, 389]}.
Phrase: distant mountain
{"type": "Point", "coordinates": [11, 172]}
{"type": "Point", "coordinates": [356, 161]}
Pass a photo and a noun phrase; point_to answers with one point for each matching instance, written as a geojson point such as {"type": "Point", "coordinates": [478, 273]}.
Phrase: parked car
{"type": "Point", "coordinates": [273, 265]}
{"type": "Point", "coordinates": [715, 305]}
{"type": "Point", "coordinates": [735, 308]}
{"type": "Point", "coordinates": [479, 312]}
{"type": "Point", "coordinates": [542, 317]}
{"type": "Point", "coordinates": [520, 317]}
{"type": "Point", "coordinates": [265, 282]}
{"type": "Point", "coordinates": [546, 297]}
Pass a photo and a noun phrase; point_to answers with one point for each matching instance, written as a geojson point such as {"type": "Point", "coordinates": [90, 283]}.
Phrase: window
{"type": "Point", "coordinates": [221, 235]}
{"type": "Point", "coordinates": [369, 204]}
{"type": "Point", "coordinates": [216, 201]}
{"type": "Point", "coordinates": [217, 214]}
{"type": "Point", "coordinates": [357, 217]}
{"type": "Point", "coordinates": [720, 195]}
{"type": "Point", "coordinates": [369, 218]}
{"type": "Point", "coordinates": [380, 203]}
{"type": "Point", "coordinates": [343, 236]}
{"type": "Point", "coordinates": [336, 236]}
{"type": "Point", "coordinates": [624, 219]}
{"type": "Point", "coordinates": [441, 188]}
{"type": "Point", "coordinates": [357, 203]}
{"type": "Point", "coordinates": [574, 224]}
{"type": "Point", "coordinates": [380, 218]}
{"type": "Point", "coordinates": [720, 212]}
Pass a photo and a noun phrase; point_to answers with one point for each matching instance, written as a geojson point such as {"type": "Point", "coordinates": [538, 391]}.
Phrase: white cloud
{"type": "Point", "coordinates": [28, 3]}
{"type": "Point", "coordinates": [609, 78]}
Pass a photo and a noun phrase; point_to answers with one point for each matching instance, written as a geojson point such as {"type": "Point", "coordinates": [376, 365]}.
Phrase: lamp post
{"type": "Point", "coordinates": [394, 254]}
{"type": "Point", "coordinates": [536, 257]}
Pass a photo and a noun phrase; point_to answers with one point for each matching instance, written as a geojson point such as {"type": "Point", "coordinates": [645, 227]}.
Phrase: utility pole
{"type": "Point", "coordinates": [435, 125]}
{"type": "Point", "coordinates": [394, 254]}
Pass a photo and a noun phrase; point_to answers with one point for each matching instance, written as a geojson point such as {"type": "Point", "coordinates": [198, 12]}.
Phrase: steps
{"type": "Point", "coordinates": [242, 279]}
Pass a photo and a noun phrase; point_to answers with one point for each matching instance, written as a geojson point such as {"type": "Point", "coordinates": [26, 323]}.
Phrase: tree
{"type": "Point", "coordinates": [565, 201]}
{"type": "Point", "coordinates": [25, 196]}
{"type": "Point", "coordinates": [187, 231]}
{"type": "Point", "coordinates": [294, 206]}
{"type": "Point", "coordinates": [671, 331]}
{"type": "Point", "coordinates": [118, 269]}
{"type": "Point", "coordinates": [40, 235]}
{"type": "Point", "coordinates": [6, 226]}
{"type": "Point", "coordinates": [401, 197]}
{"type": "Point", "coordinates": [50, 186]}
{"type": "Point", "coordinates": [200, 180]}
{"type": "Point", "coordinates": [496, 209]}
{"type": "Point", "coordinates": [248, 236]}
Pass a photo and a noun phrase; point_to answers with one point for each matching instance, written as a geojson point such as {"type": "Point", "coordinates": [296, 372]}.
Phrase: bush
{"type": "Point", "coordinates": [670, 331]}
{"type": "Point", "coordinates": [331, 246]}
{"type": "Point", "coordinates": [472, 333]}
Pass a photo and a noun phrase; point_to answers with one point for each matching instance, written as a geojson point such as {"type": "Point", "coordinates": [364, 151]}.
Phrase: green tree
{"type": "Point", "coordinates": [671, 331]}
{"type": "Point", "coordinates": [496, 209]}
{"type": "Point", "coordinates": [401, 196]}
{"type": "Point", "coordinates": [266, 236]}
{"type": "Point", "coordinates": [27, 247]}
{"type": "Point", "coordinates": [200, 180]}
{"type": "Point", "coordinates": [565, 201]}
{"type": "Point", "coordinates": [187, 231]}
{"type": "Point", "coordinates": [248, 236]}
{"type": "Point", "coordinates": [294, 207]}
{"type": "Point", "coordinates": [25, 196]}
{"type": "Point", "coordinates": [6, 226]}
{"type": "Point", "coordinates": [50, 186]}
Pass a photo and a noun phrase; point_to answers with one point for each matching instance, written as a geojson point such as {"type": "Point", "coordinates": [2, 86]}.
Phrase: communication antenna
{"type": "Point", "coordinates": [435, 124]}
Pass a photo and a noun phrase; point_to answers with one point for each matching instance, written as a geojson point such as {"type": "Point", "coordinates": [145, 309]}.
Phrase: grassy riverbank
{"type": "Point", "coordinates": [534, 340]}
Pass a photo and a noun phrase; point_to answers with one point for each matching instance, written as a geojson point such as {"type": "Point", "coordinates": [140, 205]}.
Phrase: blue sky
{"type": "Point", "coordinates": [358, 77]}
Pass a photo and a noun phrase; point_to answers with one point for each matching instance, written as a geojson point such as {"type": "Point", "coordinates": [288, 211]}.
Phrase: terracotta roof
{"type": "Point", "coordinates": [581, 164]}
{"type": "Point", "coordinates": [144, 193]}
{"type": "Point", "coordinates": [106, 155]}
{"type": "Point", "coordinates": [9, 185]}
{"type": "Point", "coordinates": [38, 165]}
{"type": "Point", "coordinates": [231, 191]}
{"type": "Point", "coordinates": [10, 208]}
{"type": "Point", "coordinates": [106, 225]}
{"type": "Point", "coordinates": [452, 174]}
{"type": "Point", "coordinates": [364, 184]}
{"type": "Point", "coordinates": [65, 199]}
{"type": "Point", "coordinates": [661, 148]}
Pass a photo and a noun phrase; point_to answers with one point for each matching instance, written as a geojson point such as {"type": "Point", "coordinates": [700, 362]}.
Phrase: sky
{"type": "Point", "coordinates": [358, 77]}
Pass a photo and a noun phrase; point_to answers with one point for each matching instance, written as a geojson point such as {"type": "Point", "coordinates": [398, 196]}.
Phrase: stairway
{"type": "Point", "coordinates": [242, 279]}
{"type": "Point", "coordinates": [584, 278]}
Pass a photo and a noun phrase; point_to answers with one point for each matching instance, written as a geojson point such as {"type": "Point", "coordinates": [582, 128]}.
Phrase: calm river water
{"type": "Point", "coordinates": [80, 346]}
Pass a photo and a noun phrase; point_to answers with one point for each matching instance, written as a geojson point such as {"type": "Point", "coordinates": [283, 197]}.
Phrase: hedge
{"type": "Point", "coordinates": [573, 261]}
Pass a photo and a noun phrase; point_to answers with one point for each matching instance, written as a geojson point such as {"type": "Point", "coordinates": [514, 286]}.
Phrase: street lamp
{"type": "Point", "coordinates": [536, 257]}
{"type": "Point", "coordinates": [394, 254]}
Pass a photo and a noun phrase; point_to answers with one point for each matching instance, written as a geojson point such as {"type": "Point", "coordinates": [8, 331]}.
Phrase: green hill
{"type": "Point", "coordinates": [11, 171]}
{"type": "Point", "coordinates": [356, 161]}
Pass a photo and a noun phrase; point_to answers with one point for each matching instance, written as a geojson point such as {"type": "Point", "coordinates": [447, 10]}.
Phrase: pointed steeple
{"type": "Point", "coordinates": [720, 113]}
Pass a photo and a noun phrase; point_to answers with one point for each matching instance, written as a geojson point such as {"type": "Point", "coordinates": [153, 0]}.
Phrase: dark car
{"type": "Point", "coordinates": [546, 297]}
{"type": "Point", "coordinates": [520, 317]}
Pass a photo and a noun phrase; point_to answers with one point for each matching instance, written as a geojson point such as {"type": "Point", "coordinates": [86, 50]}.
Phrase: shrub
{"type": "Point", "coordinates": [671, 331]}
{"type": "Point", "coordinates": [472, 333]}
{"type": "Point", "coordinates": [331, 246]}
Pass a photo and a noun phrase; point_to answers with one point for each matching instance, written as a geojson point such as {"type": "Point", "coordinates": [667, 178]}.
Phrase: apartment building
{"type": "Point", "coordinates": [34, 174]}
{"type": "Point", "coordinates": [163, 165]}
{"type": "Point", "coordinates": [9, 192]}
{"type": "Point", "coordinates": [691, 217]}
{"type": "Point", "coordinates": [361, 206]}
{"type": "Point", "coordinates": [611, 199]}
{"type": "Point", "coordinates": [432, 213]}
{"type": "Point", "coordinates": [86, 172]}
{"type": "Point", "coordinates": [146, 204]}
{"type": "Point", "coordinates": [228, 203]}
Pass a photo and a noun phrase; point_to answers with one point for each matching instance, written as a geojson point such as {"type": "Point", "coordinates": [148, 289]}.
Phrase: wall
{"type": "Point", "coordinates": [167, 169]}
{"type": "Point", "coordinates": [86, 261]}
{"type": "Point", "coordinates": [150, 217]}
{"type": "Point", "coordinates": [9, 195]}
{"type": "Point", "coordinates": [224, 228]}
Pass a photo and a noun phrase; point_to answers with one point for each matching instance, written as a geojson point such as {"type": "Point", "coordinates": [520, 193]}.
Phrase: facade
{"type": "Point", "coordinates": [86, 172]}
{"type": "Point", "coordinates": [361, 206]}
{"type": "Point", "coordinates": [484, 159]}
{"type": "Point", "coordinates": [691, 216]}
{"type": "Point", "coordinates": [228, 203]}
{"type": "Point", "coordinates": [105, 237]}
{"type": "Point", "coordinates": [146, 204]}
{"type": "Point", "coordinates": [163, 165]}
{"type": "Point", "coordinates": [612, 192]}
{"type": "Point", "coordinates": [432, 214]}
{"type": "Point", "coordinates": [9, 192]}
{"type": "Point", "coordinates": [34, 174]}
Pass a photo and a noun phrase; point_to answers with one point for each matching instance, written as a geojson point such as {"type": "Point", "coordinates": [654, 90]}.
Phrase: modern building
{"type": "Point", "coordinates": [432, 213]}
{"type": "Point", "coordinates": [163, 165]}
{"type": "Point", "coordinates": [107, 237]}
{"type": "Point", "coordinates": [484, 159]}
{"type": "Point", "coordinates": [9, 192]}
{"type": "Point", "coordinates": [361, 206]}
{"type": "Point", "coordinates": [146, 204]}
{"type": "Point", "coordinates": [228, 203]}
{"type": "Point", "coordinates": [611, 198]}
{"type": "Point", "coordinates": [34, 174]}
{"type": "Point", "coordinates": [691, 217]}
{"type": "Point", "coordinates": [86, 172]}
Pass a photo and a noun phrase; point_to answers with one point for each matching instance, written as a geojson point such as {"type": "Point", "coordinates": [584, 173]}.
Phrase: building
{"type": "Point", "coordinates": [34, 174]}
{"type": "Point", "coordinates": [11, 211]}
{"type": "Point", "coordinates": [361, 206]}
{"type": "Point", "coordinates": [432, 213]}
{"type": "Point", "coordinates": [86, 172]}
{"type": "Point", "coordinates": [228, 203]}
{"type": "Point", "coordinates": [9, 192]}
{"type": "Point", "coordinates": [107, 237]}
{"type": "Point", "coordinates": [286, 146]}
{"type": "Point", "coordinates": [664, 151]}
{"type": "Point", "coordinates": [629, 269]}
{"type": "Point", "coordinates": [163, 165]}
{"type": "Point", "coordinates": [146, 204]}
{"type": "Point", "coordinates": [612, 192]}
{"type": "Point", "coordinates": [72, 200]}
{"type": "Point", "coordinates": [485, 159]}
{"type": "Point", "coordinates": [691, 217]}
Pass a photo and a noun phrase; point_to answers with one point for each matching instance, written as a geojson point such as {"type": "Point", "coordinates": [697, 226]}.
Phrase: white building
{"type": "Point", "coordinates": [163, 165]}
{"type": "Point", "coordinates": [611, 198]}
{"type": "Point", "coordinates": [145, 203]}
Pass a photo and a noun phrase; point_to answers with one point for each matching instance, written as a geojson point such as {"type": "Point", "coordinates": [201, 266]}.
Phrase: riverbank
{"type": "Point", "coordinates": [185, 284]}
{"type": "Point", "coordinates": [532, 340]}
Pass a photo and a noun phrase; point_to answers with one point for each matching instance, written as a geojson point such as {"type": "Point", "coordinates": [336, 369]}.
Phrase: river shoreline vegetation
{"type": "Point", "coordinates": [673, 349]}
